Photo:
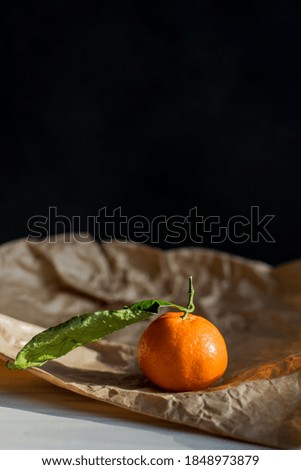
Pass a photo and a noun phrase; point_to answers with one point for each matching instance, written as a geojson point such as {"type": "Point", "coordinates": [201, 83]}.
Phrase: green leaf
{"type": "Point", "coordinates": [82, 329]}
{"type": "Point", "coordinates": [79, 330]}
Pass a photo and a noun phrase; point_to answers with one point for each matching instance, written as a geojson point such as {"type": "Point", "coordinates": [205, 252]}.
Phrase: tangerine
{"type": "Point", "coordinates": [182, 352]}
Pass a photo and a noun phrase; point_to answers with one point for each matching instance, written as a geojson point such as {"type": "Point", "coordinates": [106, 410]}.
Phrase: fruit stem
{"type": "Point", "coordinates": [190, 306]}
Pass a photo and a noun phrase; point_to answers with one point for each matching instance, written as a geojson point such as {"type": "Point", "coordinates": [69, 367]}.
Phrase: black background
{"type": "Point", "coordinates": [156, 107]}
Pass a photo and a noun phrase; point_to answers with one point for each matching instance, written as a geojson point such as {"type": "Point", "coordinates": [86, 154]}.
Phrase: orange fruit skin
{"type": "Point", "coordinates": [182, 355]}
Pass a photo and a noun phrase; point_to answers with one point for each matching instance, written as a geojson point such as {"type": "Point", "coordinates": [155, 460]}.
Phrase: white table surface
{"type": "Point", "coordinates": [35, 414]}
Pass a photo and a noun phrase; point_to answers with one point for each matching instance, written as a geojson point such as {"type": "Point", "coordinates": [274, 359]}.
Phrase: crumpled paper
{"type": "Point", "coordinates": [256, 307]}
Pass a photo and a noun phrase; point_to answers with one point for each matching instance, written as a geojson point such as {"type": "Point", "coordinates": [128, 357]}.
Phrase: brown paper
{"type": "Point", "coordinates": [257, 308]}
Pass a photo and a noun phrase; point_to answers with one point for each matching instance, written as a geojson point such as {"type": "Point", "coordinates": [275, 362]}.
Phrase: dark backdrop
{"type": "Point", "coordinates": [156, 107]}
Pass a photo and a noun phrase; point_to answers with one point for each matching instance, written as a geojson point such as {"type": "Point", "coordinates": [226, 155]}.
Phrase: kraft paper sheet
{"type": "Point", "coordinates": [256, 307]}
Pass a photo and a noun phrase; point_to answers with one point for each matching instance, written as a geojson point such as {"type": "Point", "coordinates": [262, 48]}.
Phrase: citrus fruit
{"type": "Point", "coordinates": [182, 352]}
